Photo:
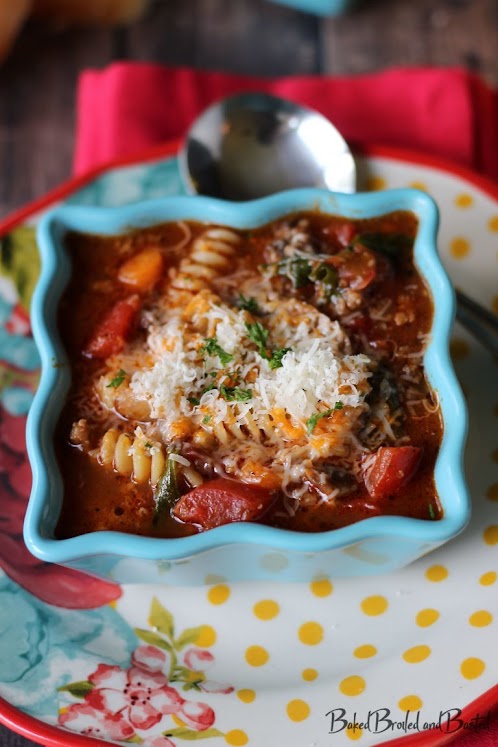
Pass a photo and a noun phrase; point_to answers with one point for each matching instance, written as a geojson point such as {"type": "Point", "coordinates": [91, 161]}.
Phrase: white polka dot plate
{"type": "Point", "coordinates": [409, 657]}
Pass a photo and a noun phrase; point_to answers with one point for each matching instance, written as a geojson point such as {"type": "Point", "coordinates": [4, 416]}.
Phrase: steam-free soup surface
{"type": "Point", "coordinates": [272, 375]}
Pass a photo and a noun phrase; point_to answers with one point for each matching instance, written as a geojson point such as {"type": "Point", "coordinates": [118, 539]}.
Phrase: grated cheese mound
{"type": "Point", "coordinates": [258, 413]}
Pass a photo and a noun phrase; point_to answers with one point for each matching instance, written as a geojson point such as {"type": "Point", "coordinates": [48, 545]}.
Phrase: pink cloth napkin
{"type": "Point", "coordinates": [128, 108]}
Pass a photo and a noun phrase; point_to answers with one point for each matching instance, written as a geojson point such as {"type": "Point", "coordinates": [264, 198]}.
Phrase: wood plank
{"type": "Point", "coordinates": [382, 33]}
{"type": "Point", "coordinates": [251, 37]}
{"type": "Point", "coordinates": [9, 739]}
{"type": "Point", "coordinates": [37, 105]}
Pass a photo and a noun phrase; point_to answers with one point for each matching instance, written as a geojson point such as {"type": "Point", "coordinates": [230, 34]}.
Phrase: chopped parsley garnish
{"type": "Point", "coordinates": [259, 335]}
{"type": "Point", "coordinates": [298, 270]}
{"type": "Point", "coordinates": [249, 304]}
{"type": "Point", "coordinates": [276, 357]}
{"type": "Point", "coordinates": [148, 445]}
{"type": "Point", "coordinates": [194, 401]}
{"type": "Point", "coordinates": [206, 419]}
{"type": "Point", "coordinates": [235, 393]}
{"type": "Point", "coordinates": [118, 379]}
{"type": "Point", "coordinates": [326, 275]}
{"type": "Point", "coordinates": [312, 422]}
{"type": "Point", "coordinates": [432, 513]}
{"type": "Point", "coordinates": [213, 348]}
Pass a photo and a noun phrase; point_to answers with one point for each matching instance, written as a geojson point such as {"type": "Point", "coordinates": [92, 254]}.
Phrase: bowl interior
{"type": "Point", "coordinates": [46, 497]}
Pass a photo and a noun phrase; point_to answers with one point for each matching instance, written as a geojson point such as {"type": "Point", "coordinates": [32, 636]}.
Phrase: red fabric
{"type": "Point", "coordinates": [126, 108]}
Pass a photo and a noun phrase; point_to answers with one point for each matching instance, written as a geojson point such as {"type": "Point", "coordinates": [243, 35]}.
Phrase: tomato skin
{"type": "Point", "coordinates": [222, 501]}
{"type": "Point", "coordinates": [110, 336]}
{"type": "Point", "coordinates": [393, 468]}
{"type": "Point", "coordinates": [344, 233]}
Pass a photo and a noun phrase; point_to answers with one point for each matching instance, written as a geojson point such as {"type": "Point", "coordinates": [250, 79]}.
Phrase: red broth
{"type": "Point", "coordinates": [271, 375]}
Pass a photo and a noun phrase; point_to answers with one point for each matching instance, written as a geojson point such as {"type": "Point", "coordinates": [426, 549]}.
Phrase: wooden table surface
{"type": "Point", "coordinates": [38, 81]}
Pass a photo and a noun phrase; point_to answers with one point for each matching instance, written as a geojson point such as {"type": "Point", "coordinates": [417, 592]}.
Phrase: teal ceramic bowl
{"type": "Point", "coordinates": [320, 7]}
{"type": "Point", "coordinates": [240, 551]}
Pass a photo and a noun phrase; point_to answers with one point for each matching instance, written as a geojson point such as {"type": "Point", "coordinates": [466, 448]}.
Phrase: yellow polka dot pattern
{"type": "Point", "coordinates": [427, 617]}
{"type": "Point", "coordinates": [464, 200]}
{"type": "Point", "coordinates": [493, 224]}
{"type": "Point", "coordinates": [436, 573]}
{"type": "Point", "coordinates": [416, 654]}
{"type": "Point", "coordinates": [353, 733]}
{"type": "Point", "coordinates": [218, 594]}
{"type": "Point", "coordinates": [309, 675]}
{"type": "Point", "coordinates": [321, 587]}
{"type": "Point", "coordinates": [353, 685]}
{"type": "Point", "coordinates": [481, 618]}
{"type": "Point", "coordinates": [488, 578]}
{"type": "Point", "coordinates": [266, 609]}
{"type": "Point", "coordinates": [298, 710]}
{"type": "Point", "coordinates": [246, 695]}
{"type": "Point", "coordinates": [236, 737]}
{"type": "Point", "coordinates": [310, 633]}
{"type": "Point", "coordinates": [365, 652]}
{"type": "Point", "coordinates": [410, 703]}
{"type": "Point", "coordinates": [459, 247]}
{"type": "Point", "coordinates": [490, 535]}
{"type": "Point", "coordinates": [376, 183]}
{"type": "Point", "coordinates": [419, 185]}
{"type": "Point", "coordinates": [207, 637]}
{"type": "Point", "coordinates": [472, 668]}
{"type": "Point", "coordinates": [256, 656]}
{"type": "Point", "coordinates": [374, 605]}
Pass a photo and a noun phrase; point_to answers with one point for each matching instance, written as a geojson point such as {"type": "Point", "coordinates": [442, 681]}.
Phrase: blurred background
{"type": "Point", "coordinates": [45, 44]}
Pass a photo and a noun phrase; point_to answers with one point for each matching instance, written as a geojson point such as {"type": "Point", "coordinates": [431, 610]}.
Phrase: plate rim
{"type": "Point", "coordinates": [51, 735]}
{"type": "Point", "coordinates": [171, 147]}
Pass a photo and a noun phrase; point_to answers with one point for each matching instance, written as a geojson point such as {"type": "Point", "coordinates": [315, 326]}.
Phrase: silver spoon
{"type": "Point", "coordinates": [254, 144]}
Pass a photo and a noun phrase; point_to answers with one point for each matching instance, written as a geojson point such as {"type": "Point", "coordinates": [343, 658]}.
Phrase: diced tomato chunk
{"type": "Point", "coordinates": [110, 336]}
{"type": "Point", "coordinates": [359, 268]}
{"type": "Point", "coordinates": [344, 233]}
{"type": "Point", "coordinates": [222, 501]}
{"type": "Point", "coordinates": [392, 469]}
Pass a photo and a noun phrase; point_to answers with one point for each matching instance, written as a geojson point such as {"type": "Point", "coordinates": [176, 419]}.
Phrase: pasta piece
{"type": "Point", "coordinates": [157, 465]}
{"type": "Point", "coordinates": [131, 456]}
{"type": "Point", "coordinates": [211, 254]}
{"type": "Point", "coordinates": [141, 462]}
{"type": "Point", "coordinates": [193, 477]}
{"type": "Point", "coordinates": [108, 446]}
{"type": "Point", "coordinates": [123, 461]}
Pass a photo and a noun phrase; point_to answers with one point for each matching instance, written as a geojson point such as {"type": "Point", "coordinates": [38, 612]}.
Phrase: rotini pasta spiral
{"type": "Point", "coordinates": [209, 256]}
{"type": "Point", "coordinates": [130, 456]}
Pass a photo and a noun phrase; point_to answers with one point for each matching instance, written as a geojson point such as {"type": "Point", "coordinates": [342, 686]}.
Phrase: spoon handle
{"type": "Point", "coordinates": [478, 321]}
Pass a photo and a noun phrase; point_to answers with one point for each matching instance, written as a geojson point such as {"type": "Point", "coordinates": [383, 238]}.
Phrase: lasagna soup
{"type": "Point", "coordinates": [271, 375]}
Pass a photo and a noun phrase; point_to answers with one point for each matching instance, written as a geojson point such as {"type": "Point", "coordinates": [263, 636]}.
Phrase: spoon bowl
{"type": "Point", "coordinates": [254, 144]}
